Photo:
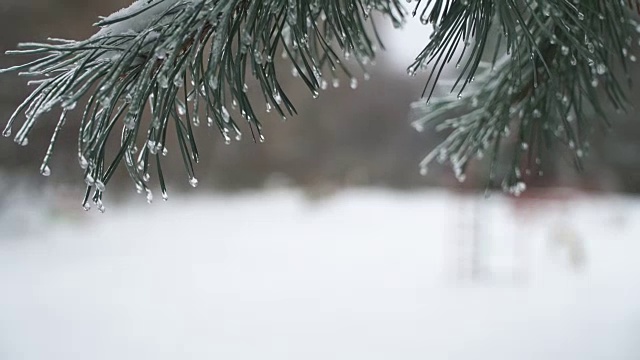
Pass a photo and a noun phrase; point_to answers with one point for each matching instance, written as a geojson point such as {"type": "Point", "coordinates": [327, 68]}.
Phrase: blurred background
{"type": "Point", "coordinates": [323, 242]}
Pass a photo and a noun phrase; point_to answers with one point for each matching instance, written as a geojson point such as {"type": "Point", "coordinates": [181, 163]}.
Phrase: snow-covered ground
{"type": "Point", "coordinates": [362, 275]}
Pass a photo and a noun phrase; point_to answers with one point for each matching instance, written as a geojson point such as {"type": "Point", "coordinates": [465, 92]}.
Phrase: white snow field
{"type": "Point", "coordinates": [366, 274]}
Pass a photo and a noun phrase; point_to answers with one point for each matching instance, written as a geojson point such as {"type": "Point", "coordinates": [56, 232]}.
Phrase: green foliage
{"type": "Point", "coordinates": [550, 67]}
{"type": "Point", "coordinates": [187, 59]}
{"type": "Point", "coordinates": [184, 62]}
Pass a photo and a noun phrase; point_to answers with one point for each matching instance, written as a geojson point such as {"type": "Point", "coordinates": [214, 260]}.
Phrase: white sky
{"type": "Point", "coordinates": [403, 45]}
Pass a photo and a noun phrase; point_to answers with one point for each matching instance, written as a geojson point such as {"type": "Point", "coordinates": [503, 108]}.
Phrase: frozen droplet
{"type": "Point", "coordinates": [165, 196]}
{"type": "Point", "coordinates": [83, 162]}
{"type": "Point", "coordinates": [100, 206]}
{"type": "Point", "coordinates": [7, 132]}
{"type": "Point", "coordinates": [517, 189]}
{"type": "Point", "coordinates": [353, 83]}
{"type": "Point", "coordinates": [89, 180]}
{"type": "Point", "coordinates": [86, 206]}
{"type": "Point", "coordinates": [181, 109]}
{"type": "Point", "coordinates": [149, 196]}
{"type": "Point", "coordinates": [225, 114]}
{"type": "Point", "coordinates": [151, 145]}
{"type": "Point", "coordinates": [261, 138]}
{"type": "Point", "coordinates": [160, 54]}
{"type": "Point", "coordinates": [69, 105]}
{"type": "Point", "coordinates": [258, 58]}
{"type": "Point", "coordinates": [130, 121]}
{"type": "Point", "coordinates": [159, 147]}
{"type": "Point", "coordinates": [45, 170]}
{"type": "Point", "coordinates": [193, 182]}
{"type": "Point", "coordinates": [424, 171]}
{"type": "Point", "coordinates": [100, 185]}
{"type": "Point", "coordinates": [146, 177]}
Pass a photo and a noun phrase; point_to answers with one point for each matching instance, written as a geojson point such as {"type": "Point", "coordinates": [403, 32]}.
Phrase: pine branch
{"type": "Point", "coordinates": [172, 64]}
{"type": "Point", "coordinates": [551, 68]}
{"type": "Point", "coordinates": [179, 60]}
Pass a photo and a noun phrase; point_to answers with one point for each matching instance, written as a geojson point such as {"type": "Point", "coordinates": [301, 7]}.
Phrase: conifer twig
{"type": "Point", "coordinates": [184, 62]}
{"type": "Point", "coordinates": [531, 69]}
{"type": "Point", "coordinates": [549, 73]}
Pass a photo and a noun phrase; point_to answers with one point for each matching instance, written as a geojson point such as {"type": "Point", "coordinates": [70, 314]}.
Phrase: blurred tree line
{"type": "Point", "coordinates": [343, 138]}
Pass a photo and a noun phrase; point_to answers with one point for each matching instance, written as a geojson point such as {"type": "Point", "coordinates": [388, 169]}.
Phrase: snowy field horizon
{"type": "Point", "coordinates": [363, 274]}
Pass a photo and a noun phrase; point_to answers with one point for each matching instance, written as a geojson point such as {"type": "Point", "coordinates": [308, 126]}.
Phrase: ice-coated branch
{"type": "Point", "coordinates": [533, 71]}
{"type": "Point", "coordinates": [184, 62]}
{"type": "Point", "coordinates": [549, 72]}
